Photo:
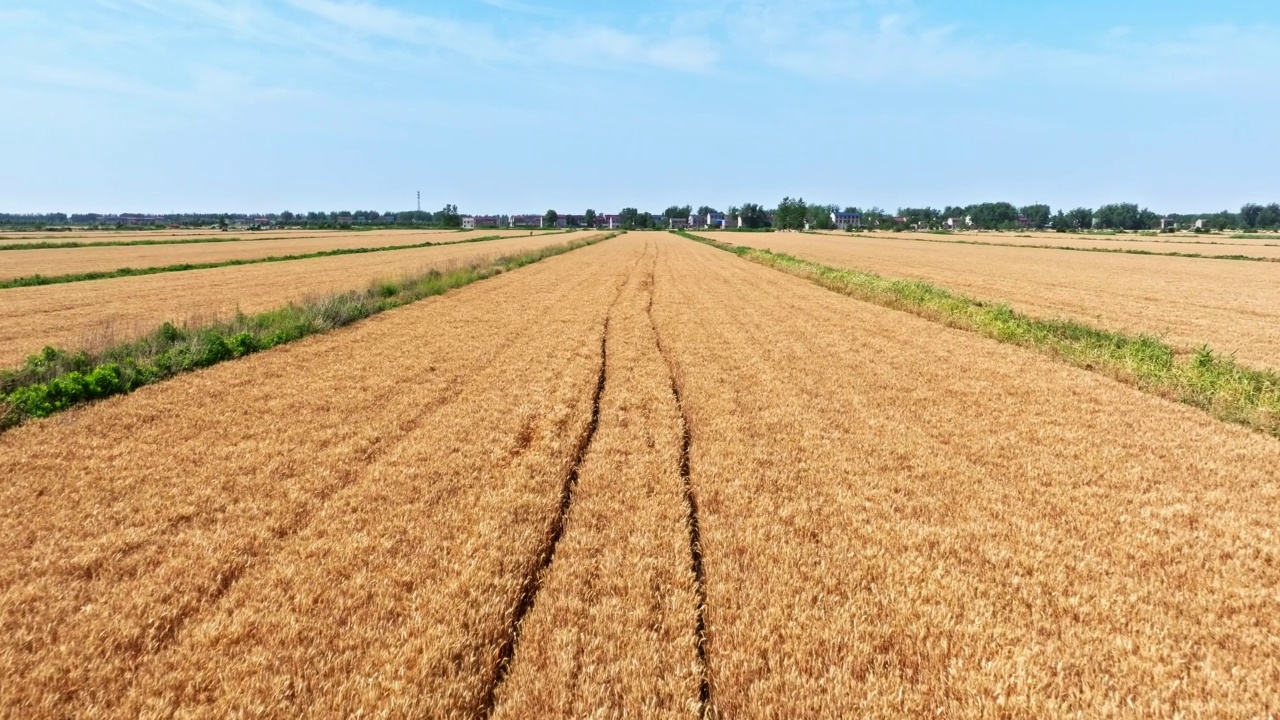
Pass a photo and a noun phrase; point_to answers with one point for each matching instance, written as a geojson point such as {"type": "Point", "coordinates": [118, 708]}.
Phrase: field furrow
{"type": "Point", "coordinates": [615, 628]}
{"type": "Point", "coordinates": [355, 542]}
{"type": "Point", "coordinates": [1231, 305]}
{"type": "Point", "coordinates": [902, 520]}
{"type": "Point", "coordinates": [99, 313]}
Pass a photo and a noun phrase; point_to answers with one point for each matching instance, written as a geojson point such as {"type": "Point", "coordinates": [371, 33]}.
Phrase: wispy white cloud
{"type": "Point", "coordinates": [889, 44]}
{"type": "Point", "coordinates": [597, 46]}
{"type": "Point", "coordinates": [520, 7]}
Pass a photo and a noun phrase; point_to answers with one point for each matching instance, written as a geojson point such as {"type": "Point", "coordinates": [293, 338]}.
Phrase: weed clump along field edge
{"type": "Point", "coordinates": [1211, 381]}
{"type": "Point", "coordinates": [56, 379]}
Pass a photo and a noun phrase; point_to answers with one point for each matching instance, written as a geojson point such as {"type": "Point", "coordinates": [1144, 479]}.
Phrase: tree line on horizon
{"type": "Point", "coordinates": [789, 214]}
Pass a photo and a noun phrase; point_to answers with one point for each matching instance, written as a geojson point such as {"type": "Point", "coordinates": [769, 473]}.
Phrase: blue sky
{"type": "Point", "coordinates": [524, 105]}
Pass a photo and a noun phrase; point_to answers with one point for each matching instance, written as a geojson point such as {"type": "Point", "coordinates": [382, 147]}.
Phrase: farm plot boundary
{"type": "Point", "coordinates": [75, 244]}
{"type": "Point", "coordinates": [37, 280]}
{"type": "Point", "coordinates": [56, 380]}
{"type": "Point", "coordinates": [1208, 380]}
{"type": "Point", "coordinates": [1119, 251]}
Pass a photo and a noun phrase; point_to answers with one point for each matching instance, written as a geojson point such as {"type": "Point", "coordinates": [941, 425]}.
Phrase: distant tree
{"type": "Point", "coordinates": [1125, 216]}
{"type": "Point", "coordinates": [1221, 221]}
{"type": "Point", "coordinates": [993, 216]}
{"type": "Point", "coordinates": [753, 216]}
{"type": "Point", "coordinates": [706, 210]}
{"type": "Point", "coordinates": [448, 217]}
{"type": "Point", "coordinates": [1249, 215]}
{"type": "Point", "coordinates": [790, 214]}
{"type": "Point", "coordinates": [629, 218]}
{"type": "Point", "coordinates": [925, 216]}
{"type": "Point", "coordinates": [589, 217]}
{"type": "Point", "coordinates": [819, 216]}
{"type": "Point", "coordinates": [647, 221]}
{"type": "Point", "coordinates": [550, 219]}
{"type": "Point", "coordinates": [1038, 216]}
{"type": "Point", "coordinates": [286, 218]}
{"type": "Point", "coordinates": [1269, 217]}
{"type": "Point", "coordinates": [1080, 218]}
{"type": "Point", "coordinates": [222, 223]}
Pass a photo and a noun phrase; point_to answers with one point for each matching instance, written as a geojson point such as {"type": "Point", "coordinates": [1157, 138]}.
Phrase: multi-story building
{"type": "Point", "coordinates": [846, 220]}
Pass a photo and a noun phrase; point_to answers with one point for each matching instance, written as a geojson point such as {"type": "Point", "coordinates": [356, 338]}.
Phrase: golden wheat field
{"type": "Point", "coordinates": [1232, 305]}
{"type": "Point", "coordinates": [72, 261]}
{"type": "Point", "coordinates": [98, 313]}
{"type": "Point", "coordinates": [171, 234]}
{"type": "Point", "coordinates": [1209, 245]}
{"type": "Point", "coordinates": [645, 478]}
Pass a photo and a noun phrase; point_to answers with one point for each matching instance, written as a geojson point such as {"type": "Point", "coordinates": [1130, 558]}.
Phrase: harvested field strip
{"type": "Point", "coordinates": [900, 519]}
{"type": "Point", "coordinates": [1007, 238]}
{"type": "Point", "coordinates": [1213, 382]}
{"type": "Point", "coordinates": [1181, 301]}
{"type": "Point", "coordinates": [99, 314]}
{"type": "Point", "coordinates": [58, 380]}
{"type": "Point", "coordinates": [614, 630]}
{"type": "Point", "coordinates": [108, 258]}
{"type": "Point", "coordinates": [1076, 248]}
{"type": "Point", "coordinates": [72, 244]}
{"type": "Point", "coordinates": [37, 280]}
{"type": "Point", "coordinates": [379, 523]}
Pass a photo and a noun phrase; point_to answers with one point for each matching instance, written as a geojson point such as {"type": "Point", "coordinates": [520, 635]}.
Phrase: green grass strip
{"type": "Point", "coordinates": [1205, 379]}
{"type": "Point", "coordinates": [36, 280]}
{"type": "Point", "coordinates": [1122, 251]}
{"type": "Point", "coordinates": [55, 379]}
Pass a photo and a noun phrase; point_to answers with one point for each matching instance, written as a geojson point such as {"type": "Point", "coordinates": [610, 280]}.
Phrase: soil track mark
{"type": "Point", "coordinates": [529, 593]}
{"type": "Point", "coordinates": [691, 502]}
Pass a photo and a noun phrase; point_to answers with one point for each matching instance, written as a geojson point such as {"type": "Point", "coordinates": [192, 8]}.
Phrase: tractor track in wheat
{"type": "Point", "coordinates": [696, 563]}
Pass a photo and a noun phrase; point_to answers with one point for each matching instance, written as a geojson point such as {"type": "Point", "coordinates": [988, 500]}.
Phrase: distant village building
{"type": "Point", "coordinates": [697, 222]}
{"type": "Point", "coordinates": [526, 221]}
{"type": "Point", "coordinates": [611, 222]}
{"type": "Point", "coordinates": [717, 220]}
{"type": "Point", "coordinates": [480, 221]}
{"type": "Point", "coordinates": [846, 220]}
{"type": "Point", "coordinates": [677, 223]}
{"type": "Point", "coordinates": [1167, 223]}
{"type": "Point", "coordinates": [133, 219]}
{"type": "Point", "coordinates": [1200, 224]}
{"type": "Point", "coordinates": [957, 223]}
